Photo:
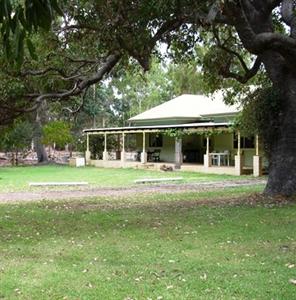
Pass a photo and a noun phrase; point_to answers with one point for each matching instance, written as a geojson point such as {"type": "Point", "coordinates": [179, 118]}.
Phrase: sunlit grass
{"type": "Point", "coordinates": [141, 248]}
{"type": "Point", "coordinates": [18, 178]}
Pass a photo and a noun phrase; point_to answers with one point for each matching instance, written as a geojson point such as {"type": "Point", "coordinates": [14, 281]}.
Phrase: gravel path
{"type": "Point", "coordinates": [139, 189]}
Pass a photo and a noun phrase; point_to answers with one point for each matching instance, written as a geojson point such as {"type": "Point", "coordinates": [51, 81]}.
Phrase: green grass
{"type": "Point", "coordinates": [17, 178]}
{"type": "Point", "coordinates": [142, 248]}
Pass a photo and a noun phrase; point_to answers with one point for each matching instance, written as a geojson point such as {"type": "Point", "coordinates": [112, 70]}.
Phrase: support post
{"type": "Point", "coordinates": [123, 148]}
{"type": "Point", "coordinates": [178, 153]}
{"type": "Point", "coordinates": [105, 153]}
{"type": "Point", "coordinates": [87, 152]}
{"type": "Point", "coordinates": [238, 159]}
{"type": "Point", "coordinates": [144, 153]}
{"type": "Point", "coordinates": [257, 160]}
{"type": "Point", "coordinates": [207, 161]}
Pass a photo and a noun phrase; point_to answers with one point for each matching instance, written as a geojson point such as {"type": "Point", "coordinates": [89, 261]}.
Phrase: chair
{"type": "Point", "coordinates": [226, 158]}
{"type": "Point", "coordinates": [149, 155]}
{"type": "Point", "coordinates": [215, 160]}
{"type": "Point", "coordinates": [156, 155]}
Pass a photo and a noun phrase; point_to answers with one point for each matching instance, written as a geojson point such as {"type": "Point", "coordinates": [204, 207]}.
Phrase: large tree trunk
{"type": "Point", "coordinates": [39, 147]}
{"type": "Point", "coordinates": [37, 137]}
{"type": "Point", "coordinates": [282, 171]}
{"type": "Point", "coordinates": [254, 23]}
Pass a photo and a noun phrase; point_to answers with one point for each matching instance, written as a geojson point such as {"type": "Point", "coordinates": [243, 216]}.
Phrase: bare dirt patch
{"type": "Point", "coordinates": [109, 192]}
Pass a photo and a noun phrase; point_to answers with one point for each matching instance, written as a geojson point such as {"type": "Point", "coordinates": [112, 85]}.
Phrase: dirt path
{"type": "Point", "coordinates": [139, 189]}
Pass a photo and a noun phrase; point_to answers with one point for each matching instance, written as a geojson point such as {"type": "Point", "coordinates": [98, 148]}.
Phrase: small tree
{"type": "Point", "coordinates": [17, 138]}
{"type": "Point", "coordinates": [57, 133]}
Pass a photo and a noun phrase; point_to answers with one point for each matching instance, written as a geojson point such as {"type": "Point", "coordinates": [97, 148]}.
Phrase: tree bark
{"type": "Point", "coordinates": [37, 137]}
{"type": "Point", "coordinates": [282, 170]}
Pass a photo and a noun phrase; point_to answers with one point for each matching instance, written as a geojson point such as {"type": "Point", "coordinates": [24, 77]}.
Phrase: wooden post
{"type": "Point", "coordinates": [144, 154]}
{"type": "Point", "coordinates": [144, 141]}
{"type": "Point", "coordinates": [87, 152]}
{"type": "Point", "coordinates": [238, 159]}
{"type": "Point", "coordinates": [105, 153]}
{"type": "Point", "coordinates": [238, 143]}
{"type": "Point", "coordinates": [178, 153]}
{"type": "Point", "coordinates": [257, 160]}
{"type": "Point", "coordinates": [257, 144]}
{"type": "Point", "coordinates": [123, 148]}
{"type": "Point", "coordinates": [207, 161]}
{"type": "Point", "coordinates": [87, 142]}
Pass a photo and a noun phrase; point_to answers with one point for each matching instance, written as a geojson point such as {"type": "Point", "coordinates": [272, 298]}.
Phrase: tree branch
{"type": "Point", "coordinates": [225, 72]}
{"type": "Point", "coordinates": [165, 28]}
{"type": "Point", "coordinates": [42, 72]}
{"type": "Point", "coordinates": [82, 84]}
{"type": "Point", "coordinates": [77, 110]}
{"type": "Point", "coordinates": [59, 72]}
{"type": "Point", "coordinates": [274, 41]}
{"type": "Point", "coordinates": [78, 27]}
{"type": "Point", "coordinates": [288, 15]}
{"type": "Point", "coordinates": [230, 51]}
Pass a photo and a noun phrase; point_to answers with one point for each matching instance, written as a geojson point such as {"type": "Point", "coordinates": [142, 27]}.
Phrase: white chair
{"type": "Point", "coordinates": [214, 159]}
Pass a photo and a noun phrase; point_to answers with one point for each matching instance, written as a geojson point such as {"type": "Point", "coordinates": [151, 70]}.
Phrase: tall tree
{"type": "Point", "coordinates": [138, 91]}
{"type": "Point", "coordinates": [16, 138]}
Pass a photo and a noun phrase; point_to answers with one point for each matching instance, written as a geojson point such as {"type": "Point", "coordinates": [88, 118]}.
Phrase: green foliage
{"type": "Point", "coordinates": [185, 78]}
{"type": "Point", "coordinates": [58, 132]}
{"type": "Point", "coordinates": [139, 91]}
{"type": "Point", "coordinates": [96, 146]}
{"type": "Point", "coordinates": [17, 137]}
{"type": "Point", "coordinates": [175, 133]}
{"type": "Point", "coordinates": [261, 115]}
{"type": "Point", "coordinates": [18, 19]}
{"type": "Point", "coordinates": [179, 133]}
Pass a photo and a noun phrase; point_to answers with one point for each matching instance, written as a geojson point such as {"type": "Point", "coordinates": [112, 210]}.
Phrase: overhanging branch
{"type": "Point", "coordinates": [225, 72]}
{"type": "Point", "coordinates": [81, 84]}
{"type": "Point", "coordinates": [230, 51]}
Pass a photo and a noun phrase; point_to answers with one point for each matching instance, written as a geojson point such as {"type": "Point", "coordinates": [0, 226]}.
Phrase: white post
{"type": "Point", "coordinates": [238, 159]}
{"type": "Point", "coordinates": [207, 161]}
{"type": "Point", "coordinates": [257, 160]}
{"type": "Point", "coordinates": [87, 152]}
{"type": "Point", "coordinates": [144, 153]}
{"type": "Point", "coordinates": [178, 153]}
{"type": "Point", "coordinates": [123, 148]}
{"type": "Point", "coordinates": [238, 143]}
{"type": "Point", "coordinates": [105, 153]}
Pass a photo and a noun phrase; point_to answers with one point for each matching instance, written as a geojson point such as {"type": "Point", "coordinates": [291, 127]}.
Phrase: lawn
{"type": "Point", "coordinates": [17, 178]}
{"type": "Point", "coordinates": [149, 247]}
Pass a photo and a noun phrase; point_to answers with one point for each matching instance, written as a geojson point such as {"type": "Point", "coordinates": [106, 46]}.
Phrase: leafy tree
{"type": "Point", "coordinates": [58, 133]}
{"type": "Point", "coordinates": [186, 78]}
{"type": "Point", "coordinates": [17, 138]}
{"type": "Point", "coordinates": [138, 91]}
